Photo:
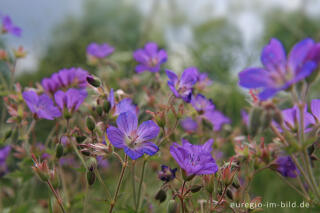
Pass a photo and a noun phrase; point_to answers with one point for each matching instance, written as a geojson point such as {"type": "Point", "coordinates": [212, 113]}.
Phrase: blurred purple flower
{"type": "Point", "coordinates": [315, 109]}
{"type": "Point", "coordinates": [135, 140]}
{"type": "Point", "coordinates": [125, 105]}
{"type": "Point", "coordinates": [150, 58]}
{"type": "Point", "coordinates": [203, 81]}
{"type": "Point", "coordinates": [167, 174]}
{"type": "Point", "coordinates": [201, 104]}
{"type": "Point", "coordinates": [206, 109]}
{"type": "Point", "coordinates": [245, 117]}
{"type": "Point", "coordinates": [286, 167]}
{"type": "Point", "coordinates": [9, 27]}
{"type": "Point", "coordinates": [69, 161]}
{"type": "Point", "coordinates": [194, 159]}
{"type": "Point", "coordinates": [279, 72]}
{"type": "Point", "coordinates": [4, 153]}
{"type": "Point", "coordinates": [99, 51]}
{"type": "Point", "coordinates": [71, 99]}
{"type": "Point", "coordinates": [102, 163]}
{"type": "Point", "coordinates": [291, 119]}
{"type": "Point", "coordinates": [182, 88]}
{"type": "Point", "coordinates": [64, 79]}
{"type": "Point", "coordinates": [41, 106]}
{"type": "Point", "coordinates": [189, 125]}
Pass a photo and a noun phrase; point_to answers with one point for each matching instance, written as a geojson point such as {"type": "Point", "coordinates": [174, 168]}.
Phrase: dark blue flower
{"type": "Point", "coordinates": [167, 174]}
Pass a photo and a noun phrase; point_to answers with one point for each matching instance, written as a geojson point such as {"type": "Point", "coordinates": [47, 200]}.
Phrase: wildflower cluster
{"type": "Point", "coordinates": [100, 125]}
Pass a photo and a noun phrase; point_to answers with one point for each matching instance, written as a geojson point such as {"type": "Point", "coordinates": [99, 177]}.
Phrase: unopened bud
{"type": "Point", "coordinates": [195, 188]}
{"type": "Point", "coordinates": [80, 138]}
{"type": "Point", "coordinates": [7, 134]}
{"type": "Point", "coordinates": [59, 150]}
{"type": "Point", "coordinates": [106, 106]}
{"type": "Point", "coordinates": [91, 177]}
{"type": "Point", "coordinates": [266, 119]}
{"type": "Point", "coordinates": [90, 124]}
{"type": "Point", "coordinates": [99, 110]}
{"type": "Point", "coordinates": [161, 195]}
{"type": "Point", "coordinates": [93, 81]}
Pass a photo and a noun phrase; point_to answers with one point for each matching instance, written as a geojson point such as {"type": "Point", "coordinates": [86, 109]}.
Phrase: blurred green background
{"type": "Point", "coordinates": [219, 37]}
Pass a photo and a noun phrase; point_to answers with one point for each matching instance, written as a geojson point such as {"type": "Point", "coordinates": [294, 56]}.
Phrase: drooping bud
{"type": "Point", "coordinates": [93, 81]}
{"type": "Point", "coordinates": [187, 177]}
{"type": "Point", "coordinates": [91, 176]}
{"type": "Point", "coordinates": [7, 134]}
{"type": "Point", "coordinates": [172, 206]}
{"type": "Point", "coordinates": [59, 150]}
{"type": "Point", "coordinates": [195, 188]}
{"type": "Point", "coordinates": [90, 124]}
{"type": "Point", "coordinates": [161, 195]}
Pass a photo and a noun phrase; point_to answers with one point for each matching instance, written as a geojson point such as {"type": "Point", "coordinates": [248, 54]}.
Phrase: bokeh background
{"type": "Point", "coordinates": [220, 37]}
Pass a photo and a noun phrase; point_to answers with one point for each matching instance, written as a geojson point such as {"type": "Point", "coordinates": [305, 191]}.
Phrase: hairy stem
{"type": "Point", "coordinates": [140, 184]}
{"type": "Point", "coordinates": [113, 202]}
{"type": "Point", "coordinates": [56, 196]}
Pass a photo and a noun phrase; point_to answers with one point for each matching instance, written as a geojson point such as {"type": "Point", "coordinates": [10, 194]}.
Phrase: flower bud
{"type": "Point", "coordinates": [59, 150]}
{"type": "Point", "coordinates": [20, 52]}
{"type": "Point", "coordinates": [195, 188]}
{"type": "Point", "coordinates": [90, 124]}
{"type": "Point", "coordinates": [99, 110]}
{"type": "Point", "coordinates": [7, 134]}
{"type": "Point", "coordinates": [66, 114]}
{"type": "Point", "coordinates": [172, 206]}
{"type": "Point", "coordinates": [187, 177]}
{"type": "Point", "coordinates": [91, 177]}
{"type": "Point", "coordinates": [41, 169]}
{"type": "Point", "coordinates": [255, 120]}
{"type": "Point", "coordinates": [3, 55]}
{"type": "Point", "coordinates": [209, 183]}
{"type": "Point", "coordinates": [106, 106]}
{"type": "Point", "coordinates": [93, 81]}
{"type": "Point", "coordinates": [92, 163]}
{"type": "Point", "coordinates": [266, 119]}
{"type": "Point", "coordinates": [80, 138]}
{"type": "Point", "coordinates": [161, 195]}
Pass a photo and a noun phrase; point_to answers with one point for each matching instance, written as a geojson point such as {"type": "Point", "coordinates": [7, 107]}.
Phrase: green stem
{"type": "Point", "coordinates": [181, 197]}
{"type": "Point", "coordinates": [113, 202]}
{"type": "Point", "coordinates": [104, 185]}
{"type": "Point", "coordinates": [56, 196]}
{"type": "Point", "coordinates": [140, 185]}
{"type": "Point", "coordinates": [134, 184]}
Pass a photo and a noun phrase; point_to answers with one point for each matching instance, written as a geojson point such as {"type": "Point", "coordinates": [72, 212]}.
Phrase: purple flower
{"type": "Point", "coordinates": [4, 153]}
{"type": "Point", "coordinates": [201, 104]}
{"type": "Point", "coordinates": [291, 119]}
{"type": "Point", "coordinates": [99, 51]}
{"type": "Point", "coordinates": [64, 79]}
{"type": "Point", "coordinates": [182, 88]}
{"type": "Point", "coordinates": [69, 161]}
{"type": "Point", "coordinates": [149, 58]}
{"type": "Point", "coordinates": [41, 106]}
{"type": "Point", "coordinates": [315, 109]}
{"type": "Point", "coordinates": [102, 163]}
{"type": "Point", "coordinates": [124, 105]}
{"type": "Point", "coordinates": [194, 159]}
{"type": "Point", "coordinates": [203, 81]}
{"type": "Point", "coordinates": [245, 117]}
{"type": "Point", "coordinates": [9, 27]}
{"type": "Point", "coordinates": [279, 72]}
{"type": "Point", "coordinates": [71, 99]}
{"type": "Point", "coordinates": [286, 167]}
{"type": "Point", "coordinates": [167, 174]}
{"type": "Point", "coordinates": [189, 125]}
{"type": "Point", "coordinates": [206, 109]}
{"type": "Point", "coordinates": [135, 140]}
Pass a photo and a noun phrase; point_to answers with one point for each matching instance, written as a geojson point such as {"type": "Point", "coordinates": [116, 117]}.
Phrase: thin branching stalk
{"type": "Point", "coordinates": [56, 196]}
{"type": "Point", "coordinates": [124, 166]}
{"type": "Point", "coordinates": [140, 185]}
